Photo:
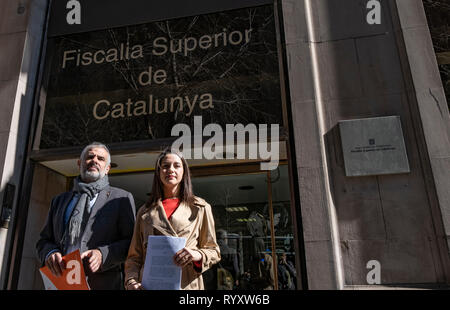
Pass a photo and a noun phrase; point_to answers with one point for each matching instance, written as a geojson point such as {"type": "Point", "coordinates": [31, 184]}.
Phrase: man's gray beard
{"type": "Point", "coordinates": [90, 176]}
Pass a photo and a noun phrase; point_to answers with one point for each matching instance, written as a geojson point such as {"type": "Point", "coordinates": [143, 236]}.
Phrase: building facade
{"type": "Point", "coordinates": [318, 131]}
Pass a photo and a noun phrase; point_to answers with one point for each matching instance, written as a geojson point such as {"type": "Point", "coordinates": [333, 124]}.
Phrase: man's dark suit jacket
{"type": "Point", "coordinates": [109, 229]}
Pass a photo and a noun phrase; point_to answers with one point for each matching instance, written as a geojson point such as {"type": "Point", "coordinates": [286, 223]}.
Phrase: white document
{"type": "Point", "coordinates": [49, 286]}
{"type": "Point", "coordinates": [160, 272]}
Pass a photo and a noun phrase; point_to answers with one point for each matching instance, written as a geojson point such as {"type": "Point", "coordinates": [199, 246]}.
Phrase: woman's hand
{"type": "Point", "coordinates": [133, 285]}
{"type": "Point", "coordinates": [185, 256]}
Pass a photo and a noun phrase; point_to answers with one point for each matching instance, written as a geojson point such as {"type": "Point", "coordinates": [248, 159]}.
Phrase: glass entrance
{"type": "Point", "coordinates": [246, 207]}
{"type": "Point", "coordinates": [246, 203]}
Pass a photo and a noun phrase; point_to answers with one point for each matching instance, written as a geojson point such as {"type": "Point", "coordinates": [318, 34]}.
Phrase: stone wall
{"type": "Point", "coordinates": [342, 68]}
{"type": "Point", "coordinates": [18, 58]}
{"type": "Point", "coordinates": [46, 185]}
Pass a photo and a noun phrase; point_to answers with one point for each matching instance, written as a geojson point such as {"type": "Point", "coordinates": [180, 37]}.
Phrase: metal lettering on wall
{"type": "Point", "coordinates": [373, 146]}
{"type": "Point", "coordinates": [134, 83]}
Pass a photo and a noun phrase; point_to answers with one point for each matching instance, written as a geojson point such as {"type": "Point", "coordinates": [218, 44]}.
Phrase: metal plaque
{"type": "Point", "coordinates": [373, 146]}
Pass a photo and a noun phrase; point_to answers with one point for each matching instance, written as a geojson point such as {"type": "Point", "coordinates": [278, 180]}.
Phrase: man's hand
{"type": "Point", "coordinates": [95, 259]}
{"type": "Point", "coordinates": [55, 263]}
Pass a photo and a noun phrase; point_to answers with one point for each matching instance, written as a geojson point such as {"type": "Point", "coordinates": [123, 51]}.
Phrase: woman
{"type": "Point", "coordinates": [173, 210]}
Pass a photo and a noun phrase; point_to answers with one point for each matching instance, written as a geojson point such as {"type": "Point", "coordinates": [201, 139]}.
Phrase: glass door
{"type": "Point", "coordinates": [254, 230]}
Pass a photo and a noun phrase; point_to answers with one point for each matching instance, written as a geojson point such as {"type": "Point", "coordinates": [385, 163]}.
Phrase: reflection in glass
{"type": "Point", "coordinates": [241, 212]}
{"type": "Point", "coordinates": [241, 209]}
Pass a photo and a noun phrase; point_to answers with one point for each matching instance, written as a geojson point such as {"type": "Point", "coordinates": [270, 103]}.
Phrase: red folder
{"type": "Point", "coordinates": [72, 278]}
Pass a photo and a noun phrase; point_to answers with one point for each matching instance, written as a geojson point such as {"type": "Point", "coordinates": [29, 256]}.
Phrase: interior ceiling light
{"type": "Point", "coordinates": [236, 209]}
{"type": "Point", "coordinates": [246, 220]}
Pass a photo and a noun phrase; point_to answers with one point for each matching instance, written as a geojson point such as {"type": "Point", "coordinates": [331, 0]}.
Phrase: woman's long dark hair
{"type": "Point", "coordinates": [186, 193]}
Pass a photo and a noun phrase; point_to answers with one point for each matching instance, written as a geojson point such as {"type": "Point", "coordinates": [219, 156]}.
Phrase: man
{"type": "Point", "coordinates": [95, 218]}
{"type": "Point", "coordinates": [286, 273]}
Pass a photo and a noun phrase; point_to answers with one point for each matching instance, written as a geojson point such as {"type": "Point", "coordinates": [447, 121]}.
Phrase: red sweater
{"type": "Point", "coordinates": [170, 205]}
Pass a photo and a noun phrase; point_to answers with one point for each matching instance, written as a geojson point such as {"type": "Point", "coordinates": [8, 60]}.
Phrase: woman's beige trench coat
{"type": "Point", "coordinates": [194, 222]}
